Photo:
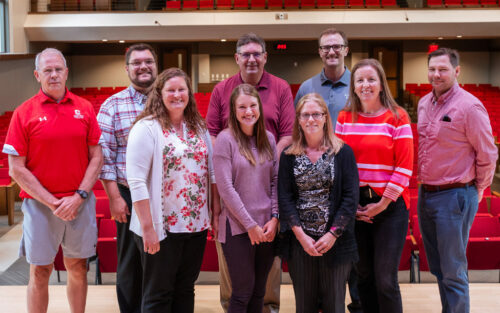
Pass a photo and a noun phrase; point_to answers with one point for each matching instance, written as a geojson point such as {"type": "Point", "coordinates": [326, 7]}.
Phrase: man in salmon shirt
{"type": "Point", "coordinates": [456, 163]}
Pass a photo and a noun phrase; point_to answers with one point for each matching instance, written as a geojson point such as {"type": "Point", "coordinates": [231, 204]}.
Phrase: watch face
{"type": "Point", "coordinates": [82, 194]}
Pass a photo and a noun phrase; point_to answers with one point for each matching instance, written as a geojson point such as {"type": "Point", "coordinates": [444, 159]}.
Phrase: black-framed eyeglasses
{"type": "Point", "coordinates": [307, 116]}
{"type": "Point", "coordinates": [336, 48]}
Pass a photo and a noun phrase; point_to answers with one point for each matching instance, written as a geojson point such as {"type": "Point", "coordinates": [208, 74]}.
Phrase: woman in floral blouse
{"type": "Point", "coordinates": [246, 170]}
{"type": "Point", "coordinates": [169, 172]}
{"type": "Point", "coordinates": [318, 196]}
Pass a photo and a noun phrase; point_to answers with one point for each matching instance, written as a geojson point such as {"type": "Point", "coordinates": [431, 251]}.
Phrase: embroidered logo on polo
{"type": "Point", "coordinates": [41, 119]}
{"type": "Point", "coordinates": [78, 114]}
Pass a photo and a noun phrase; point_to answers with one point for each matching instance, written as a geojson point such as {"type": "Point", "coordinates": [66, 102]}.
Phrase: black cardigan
{"type": "Point", "coordinates": [344, 197]}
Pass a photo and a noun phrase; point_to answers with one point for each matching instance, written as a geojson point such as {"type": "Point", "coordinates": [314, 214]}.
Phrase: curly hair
{"type": "Point", "coordinates": [155, 108]}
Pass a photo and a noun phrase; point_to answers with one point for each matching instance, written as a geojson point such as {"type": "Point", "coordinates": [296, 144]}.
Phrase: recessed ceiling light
{"type": "Point", "coordinates": [223, 40]}
{"type": "Point", "coordinates": [104, 40]}
{"type": "Point", "coordinates": [459, 36]}
{"type": "Point", "coordinates": [440, 38]}
{"type": "Point", "coordinates": [121, 41]}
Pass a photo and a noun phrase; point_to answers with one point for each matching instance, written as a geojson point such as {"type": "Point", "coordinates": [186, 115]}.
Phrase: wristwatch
{"type": "Point", "coordinates": [82, 193]}
{"type": "Point", "coordinates": [275, 215]}
{"type": "Point", "coordinates": [336, 231]}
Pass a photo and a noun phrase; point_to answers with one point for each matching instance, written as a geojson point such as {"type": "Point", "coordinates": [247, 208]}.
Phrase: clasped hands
{"type": "Point", "coordinates": [267, 233]}
{"type": "Point", "coordinates": [66, 208]}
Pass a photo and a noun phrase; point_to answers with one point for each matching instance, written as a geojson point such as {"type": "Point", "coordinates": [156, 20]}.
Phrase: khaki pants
{"type": "Point", "coordinates": [272, 297]}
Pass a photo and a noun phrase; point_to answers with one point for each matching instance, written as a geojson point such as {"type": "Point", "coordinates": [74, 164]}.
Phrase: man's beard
{"type": "Point", "coordinates": [143, 83]}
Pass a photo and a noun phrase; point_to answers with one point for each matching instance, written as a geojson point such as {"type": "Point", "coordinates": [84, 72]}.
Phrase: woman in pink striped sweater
{"type": "Point", "coordinates": [379, 132]}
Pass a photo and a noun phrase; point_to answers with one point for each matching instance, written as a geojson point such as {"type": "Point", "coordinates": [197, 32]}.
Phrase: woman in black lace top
{"type": "Point", "coordinates": [318, 195]}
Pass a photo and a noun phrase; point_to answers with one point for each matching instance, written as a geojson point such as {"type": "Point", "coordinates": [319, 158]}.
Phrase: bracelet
{"type": "Point", "coordinates": [331, 232]}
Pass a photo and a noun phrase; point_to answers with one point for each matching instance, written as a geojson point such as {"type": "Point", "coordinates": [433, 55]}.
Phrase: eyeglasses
{"type": "Point", "coordinates": [336, 48]}
{"type": "Point", "coordinates": [247, 55]}
{"type": "Point", "coordinates": [137, 64]}
{"type": "Point", "coordinates": [307, 116]}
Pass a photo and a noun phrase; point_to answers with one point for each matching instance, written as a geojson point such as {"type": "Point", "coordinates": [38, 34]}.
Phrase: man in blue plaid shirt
{"type": "Point", "coordinates": [116, 117]}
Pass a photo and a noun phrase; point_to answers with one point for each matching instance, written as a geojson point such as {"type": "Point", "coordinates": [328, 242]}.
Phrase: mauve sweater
{"type": "Point", "coordinates": [248, 193]}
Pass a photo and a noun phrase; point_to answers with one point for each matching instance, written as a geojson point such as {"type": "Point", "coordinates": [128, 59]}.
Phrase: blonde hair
{"type": "Point", "coordinates": [330, 141]}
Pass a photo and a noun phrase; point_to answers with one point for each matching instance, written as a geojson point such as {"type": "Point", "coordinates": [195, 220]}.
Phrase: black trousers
{"type": "Point", "coordinates": [380, 245]}
{"type": "Point", "coordinates": [169, 275]}
{"type": "Point", "coordinates": [129, 270]}
{"type": "Point", "coordinates": [315, 281]}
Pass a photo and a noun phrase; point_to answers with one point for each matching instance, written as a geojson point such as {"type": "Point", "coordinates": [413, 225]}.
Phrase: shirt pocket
{"type": "Point", "coordinates": [449, 133]}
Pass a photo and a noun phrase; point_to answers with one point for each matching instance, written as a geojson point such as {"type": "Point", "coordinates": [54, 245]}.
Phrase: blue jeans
{"type": "Point", "coordinates": [445, 218]}
{"type": "Point", "coordinates": [380, 246]}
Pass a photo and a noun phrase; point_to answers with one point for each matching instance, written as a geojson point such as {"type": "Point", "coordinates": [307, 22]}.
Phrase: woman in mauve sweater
{"type": "Point", "coordinates": [246, 172]}
{"type": "Point", "coordinates": [379, 132]}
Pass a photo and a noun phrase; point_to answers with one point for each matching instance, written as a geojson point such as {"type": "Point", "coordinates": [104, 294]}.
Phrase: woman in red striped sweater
{"type": "Point", "coordinates": [379, 132]}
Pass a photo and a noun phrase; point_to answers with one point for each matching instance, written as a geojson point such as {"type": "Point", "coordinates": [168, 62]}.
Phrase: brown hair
{"type": "Point", "coordinates": [333, 31]}
{"type": "Point", "coordinates": [330, 141]}
{"type": "Point", "coordinates": [155, 108]}
{"type": "Point", "coordinates": [354, 104]}
{"type": "Point", "coordinates": [139, 47]}
{"type": "Point", "coordinates": [259, 131]}
{"type": "Point", "coordinates": [451, 53]}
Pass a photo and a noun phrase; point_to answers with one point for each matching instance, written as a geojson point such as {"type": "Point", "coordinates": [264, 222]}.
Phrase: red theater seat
{"type": "Point", "coordinates": [206, 4]}
{"type": "Point", "coordinates": [275, 4]}
{"type": "Point", "coordinates": [340, 3]}
{"type": "Point", "coordinates": [291, 4]}
{"type": "Point", "coordinates": [355, 4]}
{"type": "Point", "coordinates": [483, 250]}
{"type": "Point", "coordinates": [258, 4]}
{"type": "Point", "coordinates": [434, 3]}
{"type": "Point", "coordinates": [453, 3]}
{"type": "Point", "coordinates": [224, 4]}
{"type": "Point", "coordinates": [241, 4]}
{"type": "Point", "coordinates": [190, 4]}
{"type": "Point", "coordinates": [106, 249]}
{"type": "Point", "coordinates": [173, 5]}
{"type": "Point", "coordinates": [389, 3]}
{"type": "Point", "coordinates": [210, 262]}
{"type": "Point", "coordinates": [372, 3]}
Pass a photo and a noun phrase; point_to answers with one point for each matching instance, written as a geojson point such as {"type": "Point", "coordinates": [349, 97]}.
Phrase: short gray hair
{"type": "Point", "coordinates": [250, 38]}
{"type": "Point", "coordinates": [48, 50]}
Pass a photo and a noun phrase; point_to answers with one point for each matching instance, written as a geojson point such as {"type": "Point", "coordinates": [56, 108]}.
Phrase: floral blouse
{"type": "Point", "coordinates": [185, 182]}
{"type": "Point", "coordinates": [314, 182]}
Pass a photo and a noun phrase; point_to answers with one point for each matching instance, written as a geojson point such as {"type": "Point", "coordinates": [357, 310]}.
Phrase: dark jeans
{"type": "Point", "coordinates": [129, 270]}
{"type": "Point", "coordinates": [315, 282]}
{"type": "Point", "coordinates": [445, 219]}
{"type": "Point", "coordinates": [380, 246]}
{"type": "Point", "coordinates": [248, 267]}
{"type": "Point", "coordinates": [170, 274]}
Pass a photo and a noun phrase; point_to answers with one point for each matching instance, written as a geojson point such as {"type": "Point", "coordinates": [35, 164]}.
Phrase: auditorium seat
{"type": "Point", "coordinates": [59, 263]}
{"type": "Point", "coordinates": [338, 4]}
{"type": "Point", "coordinates": [372, 3]}
{"type": "Point", "coordinates": [106, 260]}
{"type": "Point", "coordinates": [489, 3]}
{"type": "Point", "coordinates": [483, 206]}
{"type": "Point", "coordinates": [102, 210]}
{"type": "Point", "coordinates": [291, 4]}
{"type": "Point", "coordinates": [388, 3]}
{"type": "Point", "coordinates": [173, 5]}
{"type": "Point", "coordinates": [483, 250]}
{"type": "Point", "coordinates": [7, 194]}
{"type": "Point", "coordinates": [408, 259]}
{"type": "Point", "coordinates": [274, 4]}
{"type": "Point", "coordinates": [223, 4]}
{"type": "Point", "coordinates": [99, 191]}
{"type": "Point", "coordinates": [241, 4]}
{"type": "Point", "coordinates": [453, 3]}
{"type": "Point", "coordinates": [495, 206]}
{"type": "Point", "coordinates": [307, 4]}
{"type": "Point", "coordinates": [258, 4]}
{"type": "Point", "coordinates": [434, 3]}
{"type": "Point", "coordinates": [210, 261]}
{"type": "Point", "coordinates": [206, 4]}
{"type": "Point", "coordinates": [190, 4]}
{"type": "Point", "coordinates": [355, 4]}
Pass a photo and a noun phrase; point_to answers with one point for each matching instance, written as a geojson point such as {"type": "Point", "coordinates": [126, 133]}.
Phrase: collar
{"type": "Point", "coordinates": [264, 82]}
{"type": "Point", "coordinates": [344, 79]}
{"type": "Point", "coordinates": [68, 97]}
{"type": "Point", "coordinates": [137, 96]}
{"type": "Point", "coordinates": [445, 96]}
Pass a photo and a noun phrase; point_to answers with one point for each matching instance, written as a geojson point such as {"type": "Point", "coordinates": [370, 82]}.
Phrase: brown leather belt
{"type": "Point", "coordinates": [434, 188]}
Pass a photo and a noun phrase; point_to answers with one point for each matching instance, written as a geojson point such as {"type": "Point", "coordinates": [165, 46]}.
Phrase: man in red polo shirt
{"type": "Point", "coordinates": [54, 156]}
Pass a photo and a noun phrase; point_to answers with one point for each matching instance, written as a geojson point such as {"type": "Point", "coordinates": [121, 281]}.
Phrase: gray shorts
{"type": "Point", "coordinates": [43, 232]}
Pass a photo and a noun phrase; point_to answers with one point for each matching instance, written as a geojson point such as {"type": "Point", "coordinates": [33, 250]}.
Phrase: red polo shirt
{"type": "Point", "coordinates": [55, 139]}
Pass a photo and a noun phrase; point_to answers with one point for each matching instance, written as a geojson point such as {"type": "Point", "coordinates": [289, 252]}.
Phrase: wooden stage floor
{"type": "Point", "coordinates": [421, 298]}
